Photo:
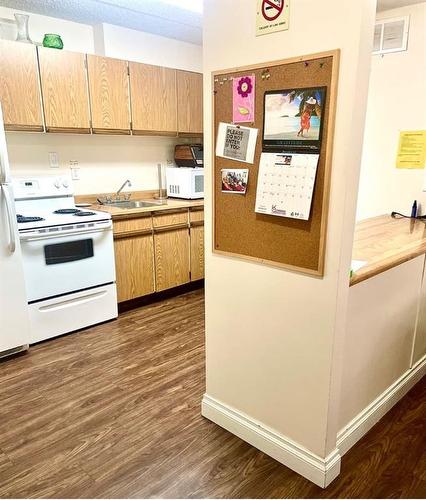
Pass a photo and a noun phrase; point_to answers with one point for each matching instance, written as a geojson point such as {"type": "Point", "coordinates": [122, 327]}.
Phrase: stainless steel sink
{"type": "Point", "coordinates": [135, 204]}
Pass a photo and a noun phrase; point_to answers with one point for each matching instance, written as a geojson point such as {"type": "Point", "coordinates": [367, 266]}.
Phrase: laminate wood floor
{"type": "Point", "coordinates": [114, 411]}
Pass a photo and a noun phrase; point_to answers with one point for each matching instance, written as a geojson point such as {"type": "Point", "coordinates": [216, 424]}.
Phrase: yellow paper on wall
{"type": "Point", "coordinates": [411, 149]}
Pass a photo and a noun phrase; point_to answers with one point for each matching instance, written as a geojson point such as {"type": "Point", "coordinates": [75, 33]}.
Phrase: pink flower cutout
{"type": "Point", "coordinates": [245, 86]}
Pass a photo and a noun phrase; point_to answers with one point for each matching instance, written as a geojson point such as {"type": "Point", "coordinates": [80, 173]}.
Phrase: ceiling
{"type": "Point", "coordinates": [393, 4]}
{"type": "Point", "coordinates": [179, 19]}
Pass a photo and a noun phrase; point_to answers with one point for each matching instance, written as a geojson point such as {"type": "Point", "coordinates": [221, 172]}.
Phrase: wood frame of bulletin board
{"type": "Point", "coordinates": [238, 231]}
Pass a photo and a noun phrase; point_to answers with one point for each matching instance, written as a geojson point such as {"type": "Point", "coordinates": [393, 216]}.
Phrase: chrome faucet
{"type": "Point", "coordinates": [125, 183]}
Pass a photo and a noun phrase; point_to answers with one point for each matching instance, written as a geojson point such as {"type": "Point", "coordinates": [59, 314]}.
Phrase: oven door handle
{"type": "Point", "coordinates": [61, 234]}
{"type": "Point", "coordinates": [10, 219]}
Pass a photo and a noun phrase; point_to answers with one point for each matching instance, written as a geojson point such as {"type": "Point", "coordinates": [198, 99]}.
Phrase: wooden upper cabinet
{"type": "Point", "coordinates": [190, 102]}
{"type": "Point", "coordinates": [19, 87]}
{"type": "Point", "coordinates": [109, 94]}
{"type": "Point", "coordinates": [64, 89]}
{"type": "Point", "coordinates": [153, 99]}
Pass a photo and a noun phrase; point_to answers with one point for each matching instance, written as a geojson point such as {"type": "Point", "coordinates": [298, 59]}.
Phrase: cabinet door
{"type": "Point", "coordinates": [19, 87]}
{"type": "Point", "coordinates": [64, 89]}
{"type": "Point", "coordinates": [197, 253]}
{"type": "Point", "coordinates": [153, 99]}
{"type": "Point", "coordinates": [171, 258]}
{"type": "Point", "coordinates": [134, 266]}
{"type": "Point", "coordinates": [109, 94]}
{"type": "Point", "coordinates": [190, 102]}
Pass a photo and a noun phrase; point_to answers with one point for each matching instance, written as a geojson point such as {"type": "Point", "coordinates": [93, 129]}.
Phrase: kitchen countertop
{"type": "Point", "coordinates": [172, 204]}
{"type": "Point", "coordinates": [384, 242]}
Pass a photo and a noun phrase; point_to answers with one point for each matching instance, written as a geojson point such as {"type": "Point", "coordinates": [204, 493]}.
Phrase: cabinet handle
{"type": "Point", "coordinates": [166, 211]}
{"type": "Point", "coordinates": [170, 228]}
{"type": "Point", "coordinates": [197, 223]}
{"type": "Point", "coordinates": [131, 234]}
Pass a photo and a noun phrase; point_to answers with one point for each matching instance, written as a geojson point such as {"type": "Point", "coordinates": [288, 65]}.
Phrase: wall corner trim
{"type": "Point", "coordinates": [368, 417]}
{"type": "Point", "coordinates": [321, 471]}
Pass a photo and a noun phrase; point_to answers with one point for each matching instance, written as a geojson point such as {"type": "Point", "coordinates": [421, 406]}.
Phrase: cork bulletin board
{"type": "Point", "coordinates": [238, 230]}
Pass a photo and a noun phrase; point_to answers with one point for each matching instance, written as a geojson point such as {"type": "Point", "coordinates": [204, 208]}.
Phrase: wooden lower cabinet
{"type": "Point", "coordinates": [197, 252]}
{"type": "Point", "coordinates": [172, 261]}
{"type": "Point", "coordinates": [134, 266]}
{"type": "Point", "coordinates": [158, 252]}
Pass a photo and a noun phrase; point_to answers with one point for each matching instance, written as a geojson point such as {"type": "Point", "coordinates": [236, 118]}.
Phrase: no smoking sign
{"type": "Point", "coordinates": [272, 16]}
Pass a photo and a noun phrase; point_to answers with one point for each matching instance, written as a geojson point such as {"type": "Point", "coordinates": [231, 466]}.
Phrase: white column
{"type": "Point", "coordinates": [274, 337]}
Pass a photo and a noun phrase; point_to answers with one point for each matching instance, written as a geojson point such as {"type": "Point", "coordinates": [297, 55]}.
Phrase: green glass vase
{"type": "Point", "coordinates": [53, 41]}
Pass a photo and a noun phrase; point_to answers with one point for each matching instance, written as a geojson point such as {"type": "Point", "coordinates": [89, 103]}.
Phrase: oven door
{"type": "Point", "coordinates": [59, 264]}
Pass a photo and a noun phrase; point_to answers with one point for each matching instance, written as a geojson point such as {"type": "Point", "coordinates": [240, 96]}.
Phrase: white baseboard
{"type": "Point", "coordinates": [365, 420]}
{"type": "Point", "coordinates": [318, 470]}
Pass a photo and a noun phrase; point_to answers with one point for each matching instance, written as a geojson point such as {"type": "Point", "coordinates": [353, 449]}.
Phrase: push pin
{"type": "Point", "coordinates": [321, 65]}
{"type": "Point", "coordinates": [306, 64]}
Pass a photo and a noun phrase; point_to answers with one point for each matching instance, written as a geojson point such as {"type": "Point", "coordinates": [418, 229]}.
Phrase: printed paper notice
{"type": "Point", "coordinates": [272, 16]}
{"type": "Point", "coordinates": [285, 184]}
{"type": "Point", "coordinates": [236, 143]}
{"type": "Point", "coordinates": [411, 149]}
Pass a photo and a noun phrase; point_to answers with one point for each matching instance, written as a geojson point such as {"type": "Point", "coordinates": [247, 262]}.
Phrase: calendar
{"type": "Point", "coordinates": [285, 184]}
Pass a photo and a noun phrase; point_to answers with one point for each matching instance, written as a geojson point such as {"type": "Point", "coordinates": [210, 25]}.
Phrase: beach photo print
{"type": "Point", "coordinates": [293, 119]}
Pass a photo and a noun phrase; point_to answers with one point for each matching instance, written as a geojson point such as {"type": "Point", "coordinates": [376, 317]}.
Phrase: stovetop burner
{"type": "Point", "coordinates": [80, 213]}
{"type": "Point", "coordinates": [67, 211]}
{"type": "Point", "coordinates": [22, 218]}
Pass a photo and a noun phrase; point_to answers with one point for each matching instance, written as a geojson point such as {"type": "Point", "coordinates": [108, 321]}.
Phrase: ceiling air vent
{"type": "Point", "coordinates": [391, 35]}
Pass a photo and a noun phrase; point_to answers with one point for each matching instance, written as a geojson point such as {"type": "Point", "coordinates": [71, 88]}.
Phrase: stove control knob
{"type": "Point", "coordinates": [57, 184]}
{"type": "Point", "coordinates": [65, 183]}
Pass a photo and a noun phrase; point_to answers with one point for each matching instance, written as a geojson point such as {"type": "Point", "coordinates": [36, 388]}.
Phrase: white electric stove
{"type": "Point", "coordinates": [68, 257]}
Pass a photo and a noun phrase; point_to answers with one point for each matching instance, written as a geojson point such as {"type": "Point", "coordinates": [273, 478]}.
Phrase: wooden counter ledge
{"type": "Point", "coordinates": [384, 242]}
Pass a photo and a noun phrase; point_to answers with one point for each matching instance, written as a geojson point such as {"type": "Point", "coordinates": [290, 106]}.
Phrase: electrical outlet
{"type": "Point", "coordinates": [54, 159]}
{"type": "Point", "coordinates": [75, 170]}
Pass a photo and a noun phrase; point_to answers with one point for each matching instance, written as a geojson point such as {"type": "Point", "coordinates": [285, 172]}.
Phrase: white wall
{"type": "Point", "coordinates": [105, 161]}
{"type": "Point", "coordinates": [396, 102]}
{"type": "Point", "coordinates": [151, 49]}
{"type": "Point", "coordinates": [379, 339]}
{"type": "Point", "coordinates": [76, 36]}
{"type": "Point", "coordinates": [274, 337]}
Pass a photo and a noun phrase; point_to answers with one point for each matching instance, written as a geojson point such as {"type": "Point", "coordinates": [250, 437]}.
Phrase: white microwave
{"type": "Point", "coordinates": [185, 182]}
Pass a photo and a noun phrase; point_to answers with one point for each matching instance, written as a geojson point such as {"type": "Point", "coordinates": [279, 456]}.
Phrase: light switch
{"type": "Point", "coordinates": [54, 159]}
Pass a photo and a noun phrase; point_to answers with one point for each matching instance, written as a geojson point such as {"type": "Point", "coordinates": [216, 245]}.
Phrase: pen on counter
{"type": "Point", "coordinates": [414, 209]}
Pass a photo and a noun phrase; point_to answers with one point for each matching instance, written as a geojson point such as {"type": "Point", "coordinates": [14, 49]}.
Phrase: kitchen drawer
{"type": "Point", "coordinates": [196, 215]}
{"type": "Point", "coordinates": [136, 224]}
{"type": "Point", "coordinates": [175, 218]}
